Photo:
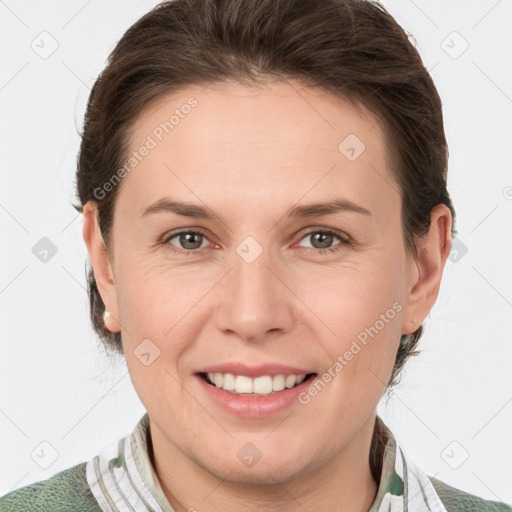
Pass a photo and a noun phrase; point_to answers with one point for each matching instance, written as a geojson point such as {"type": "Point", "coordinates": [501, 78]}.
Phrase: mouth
{"type": "Point", "coordinates": [259, 386]}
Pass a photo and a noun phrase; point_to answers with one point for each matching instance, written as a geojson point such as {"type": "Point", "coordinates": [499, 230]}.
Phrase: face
{"type": "Point", "coordinates": [254, 281]}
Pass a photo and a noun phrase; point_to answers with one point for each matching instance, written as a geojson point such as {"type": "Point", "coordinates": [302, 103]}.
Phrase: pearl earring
{"type": "Point", "coordinates": [106, 314]}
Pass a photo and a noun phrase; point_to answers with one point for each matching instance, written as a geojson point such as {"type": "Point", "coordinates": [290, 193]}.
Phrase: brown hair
{"type": "Point", "coordinates": [352, 48]}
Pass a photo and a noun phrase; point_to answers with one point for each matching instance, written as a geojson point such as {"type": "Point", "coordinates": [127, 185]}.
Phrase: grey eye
{"type": "Point", "coordinates": [190, 240]}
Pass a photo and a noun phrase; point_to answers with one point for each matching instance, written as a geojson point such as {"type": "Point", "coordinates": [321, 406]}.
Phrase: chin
{"type": "Point", "coordinates": [264, 471]}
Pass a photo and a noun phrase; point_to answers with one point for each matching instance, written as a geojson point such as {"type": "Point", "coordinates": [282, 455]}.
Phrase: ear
{"type": "Point", "coordinates": [101, 264]}
{"type": "Point", "coordinates": [425, 281]}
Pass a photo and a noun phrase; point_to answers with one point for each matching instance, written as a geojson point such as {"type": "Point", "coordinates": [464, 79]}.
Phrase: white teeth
{"type": "Point", "coordinates": [290, 381]}
{"type": "Point", "coordinates": [242, 384]}
{"type": "Point", "coordinates": [229, 383]}
{"type": "Point", "coordinates": [278, 383]}
{"type": "Point", "coordinates": [263, 385]}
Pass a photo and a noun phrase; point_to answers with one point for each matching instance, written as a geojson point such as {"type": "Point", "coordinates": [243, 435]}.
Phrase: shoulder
{"type": "Point", "coordinates": [67, 491]}
{"type": "Point", "coordinates": [456, 500]}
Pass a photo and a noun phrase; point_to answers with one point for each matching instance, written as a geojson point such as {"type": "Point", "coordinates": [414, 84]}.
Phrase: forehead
{"type": "Point", "coordinates": [281, 138]}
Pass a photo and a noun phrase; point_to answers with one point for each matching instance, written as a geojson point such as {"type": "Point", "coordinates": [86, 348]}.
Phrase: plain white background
{"type": "Point", "coordinates": [452, 412]}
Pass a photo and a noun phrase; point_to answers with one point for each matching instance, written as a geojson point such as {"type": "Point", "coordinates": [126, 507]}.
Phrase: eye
{"type": "Point", "coordinates": [189, 241]}
{"type": "Point", "coordinates": [323, 238]}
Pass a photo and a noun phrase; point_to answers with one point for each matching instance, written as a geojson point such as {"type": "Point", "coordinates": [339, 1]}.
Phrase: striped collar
{"type": "Point", "coordinates": [122, 479]}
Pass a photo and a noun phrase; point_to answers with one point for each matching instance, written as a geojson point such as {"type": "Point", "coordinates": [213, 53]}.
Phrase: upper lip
{"type": "Point", "coordinates": [239, 368]}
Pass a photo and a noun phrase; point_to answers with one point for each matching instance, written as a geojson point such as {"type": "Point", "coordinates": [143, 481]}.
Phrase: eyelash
{"type": "Point", "coordinates": [344, 239]}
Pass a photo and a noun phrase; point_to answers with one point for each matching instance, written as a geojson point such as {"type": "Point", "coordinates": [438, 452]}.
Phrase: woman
{"type": "Point", "coordinates": [266, 214]}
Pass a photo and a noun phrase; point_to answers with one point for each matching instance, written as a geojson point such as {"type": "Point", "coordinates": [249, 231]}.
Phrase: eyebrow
{"type": "Point", "coordinates": [302, 211]}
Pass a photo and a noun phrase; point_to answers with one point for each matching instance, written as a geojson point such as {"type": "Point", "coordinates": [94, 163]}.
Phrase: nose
{"type": "Point", "coordinates": [255, 302]}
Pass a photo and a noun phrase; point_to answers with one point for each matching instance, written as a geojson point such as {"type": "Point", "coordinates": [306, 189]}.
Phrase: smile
{"type": "Point", "coordinates": [258, 386]}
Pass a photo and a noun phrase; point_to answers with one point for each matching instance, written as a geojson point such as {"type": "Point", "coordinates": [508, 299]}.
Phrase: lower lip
{"type": "Point", "coordinates": [254, 406]}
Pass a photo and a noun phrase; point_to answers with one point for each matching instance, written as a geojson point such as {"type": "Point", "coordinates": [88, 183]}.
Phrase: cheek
{"type": "Point", "coordinates": [354, 296]}
{"type": "Point", "coordinates": [155, 336]}
{"type": "Point", "coordinates": [153, 296]}
{"type": "Point", "coordinates": [160, 315]}
{"type": "Point", "coordinates": [363, 309]}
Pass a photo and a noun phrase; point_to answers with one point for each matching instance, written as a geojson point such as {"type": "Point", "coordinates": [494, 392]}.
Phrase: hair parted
{"type": "Point", "coordinates": [351, 48]}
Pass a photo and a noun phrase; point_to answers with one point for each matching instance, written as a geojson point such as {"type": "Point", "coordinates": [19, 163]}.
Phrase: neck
{"type": "Point", "coordinates": [348, 482]}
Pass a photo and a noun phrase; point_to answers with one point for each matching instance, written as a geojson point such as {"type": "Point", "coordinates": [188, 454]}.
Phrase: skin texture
{"type": "Point", "coordinates": [249, 154]}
